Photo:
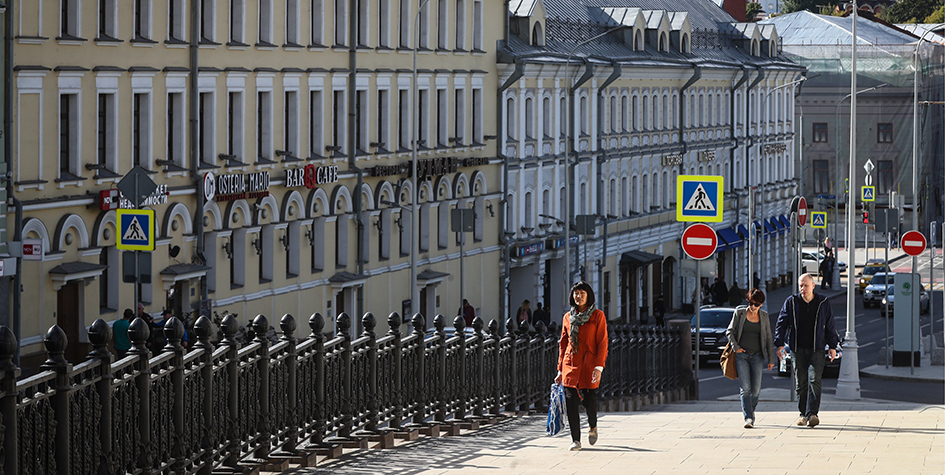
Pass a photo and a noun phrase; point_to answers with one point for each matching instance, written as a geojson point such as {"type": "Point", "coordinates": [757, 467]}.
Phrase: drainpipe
{"type": "Point", "coordinates": [601, 158]}
{"type": "Point", "coordinates": [750, 142]}
{"type": "Point", "coordinates": [500, 154]}
{"type": "Point", "coordinates": [696, 75]}
{"type": "Point", "coordinates": [571, 150]}
{"type": "Point", "coordinates": [7, 153]}
{"type": "Point", "coordinates": [746, 73]}
{"type": "Point", "coordinates": [353, 151]}
{"type": "Point", "coordinates": [193, 99]}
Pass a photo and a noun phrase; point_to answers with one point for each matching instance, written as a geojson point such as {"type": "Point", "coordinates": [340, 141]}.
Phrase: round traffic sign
{"type": "Point", "coordinates": [699, 241]}
{"type": "Point", "coordinates": [802, 212]}
{"type": "Point", "coordinates": [913, 243]}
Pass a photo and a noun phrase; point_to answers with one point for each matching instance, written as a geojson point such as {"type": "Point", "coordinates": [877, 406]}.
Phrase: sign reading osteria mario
{"type": "Point", "coordinates": [236, 186]}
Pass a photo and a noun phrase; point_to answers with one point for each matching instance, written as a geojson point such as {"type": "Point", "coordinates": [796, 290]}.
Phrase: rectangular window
{"type": "Point", "coordinates": [383, 117]}
{"type": "Point", "coordinates": [405, 30]}
{"type": "Point", "coordinates": [234, 126]}
{"type": "Point", "coordinates": [364, 23]}
{"type": "Point", "coordinates": [68, 136]}
{"type": "Point", "coordinates": [142, 19]}
{"type": "Point", "coordinates": [821, 176]}
{"type": "Point", "coordinates": [107, 19]}
{"type": "Point", "coordinates": [360, 125]}
{"type": "Point", "coordinates": [207, 19]}
{"type": "Point", "coordinates": [141, 130]}
{"type": "Point", "coordinates": [884, 132]}
{"type": "Point", "coordinates": [291, 123]}
{"type": "Point", "coordinates": [292, 22]}
{"type": "Point", "coordinates": [820, 132]}
{"type": "Point", "coordinates": [338, 125]}
{"type": "Point", "coordinates": [316, 239]}
{"type": "Point", "coordinates": [403, 119]}
{"type": "Point", "coordinates": [175, 128]}
{"type": "Point", "coordinates": [316, 125]}
{"type": "Point", "coordinates": [442, 24]}
{"type": "Point", "coordinates": [459, 118]}
{"type": "Point", "coordinates": [237, 14]}
{"type": "Point", "coordinates": [442, 125]}
{"type": "Point", "coordinates": [318, 21]}
{"type": "Point", "coordinates": [237, 249]}
{"type": "Point", "coordinates": [461, 25]}
{"type": "Point", "coordinates": [175, 20]}
{"type": "Point", "coordinates": [205, 135]}
{"type": "Point", "coordinates": [341, 22]}
{"type": "Point", "coordinates": [477, 136]}
{"type": "Point", "coordinates": [884, 175]}
{"type": "Point", "coordinates": [422, 106]}
{"type": "Point", "coordinates": [105, 133]}
{"type": "Point", "coordinates": [264, 127]}
{"type": "Point", "coordinates": [477, 25]}
{"type": "Point", "coordinates": [265, 22]}
{"type": "Point", "coordinates": [424, 27]}
{"type": "Point", "coordinates": [383, 23]}
{"type": "Point", "coordinates": [69, 18]}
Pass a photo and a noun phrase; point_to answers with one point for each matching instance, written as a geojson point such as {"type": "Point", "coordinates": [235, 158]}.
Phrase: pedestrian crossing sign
{"type": "Point", "coordinates": [868, 193]}
{"type": "Point", "coordinates": [818, 219]}
{"type": "Point", "coordinates": [699, 198]}
{"type": "Point", "coordinates": [135, 229]}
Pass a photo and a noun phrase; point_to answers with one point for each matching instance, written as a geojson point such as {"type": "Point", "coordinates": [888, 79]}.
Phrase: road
{"type": "Point", "coordinates": [871, 334]}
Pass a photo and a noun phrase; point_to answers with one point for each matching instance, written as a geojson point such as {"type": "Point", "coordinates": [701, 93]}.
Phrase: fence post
{"type": "Point", "coordinates": [439, 322]}
{"type": "Point", "coordinates": [342, 328]}
{"type": "Point", "coordinates": [317, 324]}
{"type": "Point", "coordinates": [139, 332]}
{"type": "Point", "coordinates": [202, 330]}
{"type": "Point", "coordinates": [459, 323]}
{"type": "Point", "coordinates": [369, 323]}
{"type": "Point", "coordinates": [480, 366]}
{"type": "Point", "coordinates": [510, 326]}
{"type": "Point", "coordinates": [229, 328]}
{"type": "Point", "coordinates": [55, 342]}
{"type": "Point", "coordinates": [8, 397]}
{"type": "Point", "coordinates": [496, 367]}
{"type": "Point", "coordinates": [100, 334]}
{"type": "Point", "coordinates": [261, 327]}
{"type": "Point", "coordinates": [173, 334]}
{"type": "Point", "coordinates": [288, 326]}
{"type": "Point", "coordinates": [394, 322]}
{"type": "Point", "coordinates": [419, 323]}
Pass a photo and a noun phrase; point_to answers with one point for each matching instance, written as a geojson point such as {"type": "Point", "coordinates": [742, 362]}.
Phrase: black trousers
{"type": "Point", "coordinates": [572, 401]}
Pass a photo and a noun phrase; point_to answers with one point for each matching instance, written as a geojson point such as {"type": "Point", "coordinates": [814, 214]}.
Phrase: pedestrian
{"type": "Point", "coordinates": [750, 335]}
{"type": "Point", "coordinates": [826, 271]}
{"type": "Point", "coordinates": [524, 313]}
{"type": "Point", "coordinates": [660, 308]}
{"type": "Point", "coordinates": [755, 280]}
{"type": "Point", "coordinates": [540, 315]}
{"type": "Point", "coordinates": [582, 353]}
{"type": "Point", "coordinates": [122, 342]}
{"type": "Point", "coordinates": [720, 291]}
{"type": "Point", "coordinates": [806, 323]}
{"type": "Point", "coordinates": [468, 313]}
{"type": "Point", "coordinates": [735, 295]}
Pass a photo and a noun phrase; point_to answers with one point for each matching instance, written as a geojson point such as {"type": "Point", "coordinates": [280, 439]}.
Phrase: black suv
{"type": "Point", "coordinates": [713, 323]}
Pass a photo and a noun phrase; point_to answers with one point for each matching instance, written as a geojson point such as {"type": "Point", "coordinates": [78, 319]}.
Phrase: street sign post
{"type": "Point", "coordinates": [868, 193]}
{"type": "Point", "coordinates": [135, 230]}
{"type": "Point", "coordinates": [699, 241]}
{"type": "Point", "coordinates": [818, 219]}
{"type": "Point", "coordinates": [913, 243]}
{"type": "Point", "coordinates": [699, 198]}
{"type": "Point", "coordinates": [799, 206]}
{"type": "Point", "coordinates": [137, 186]}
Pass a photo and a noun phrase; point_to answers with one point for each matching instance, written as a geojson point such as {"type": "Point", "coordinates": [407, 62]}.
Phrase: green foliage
{"type": "Point", "coordinates": [911, 11]}
{"type": "Point", "coordinates": [752, 9]}
{"type": "Point", "coordinates": [938, 16]}
{"type": "Point", "coordinates": [815, 6]}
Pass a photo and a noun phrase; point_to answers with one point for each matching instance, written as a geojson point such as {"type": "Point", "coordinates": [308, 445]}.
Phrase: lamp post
{"type": "Point", "coordinates": [414, 209]}
{"type": "Point", "coordinates": [915, 131]}
{"type": "Point", "coordinates": [567, 153]}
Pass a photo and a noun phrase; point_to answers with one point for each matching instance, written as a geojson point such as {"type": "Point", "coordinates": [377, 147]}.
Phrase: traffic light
{"type": "Point", "coordinates": [866, 216]}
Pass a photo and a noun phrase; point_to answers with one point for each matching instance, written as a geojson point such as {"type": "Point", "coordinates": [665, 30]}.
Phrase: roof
{"type": "Point", "coordinates": [806, 28]}
{"type": "Point", "coordinates": [920, 29]}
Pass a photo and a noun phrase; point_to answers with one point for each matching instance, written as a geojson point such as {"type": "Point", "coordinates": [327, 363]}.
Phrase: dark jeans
{"type": "Point", "coordinates": [572, 400]}
{"type": "Point", "coordinates": [750, 367]}
{"type": "Point", "coordinates": [808, 382]}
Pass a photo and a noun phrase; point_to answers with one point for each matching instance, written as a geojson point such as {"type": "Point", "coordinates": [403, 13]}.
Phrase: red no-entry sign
{"type": "Point", "coordinates": [699, 241]}
{"type": "Point", "coordinates": [802, 212]}
{"type": "Point", "coordinates": [913, 243]}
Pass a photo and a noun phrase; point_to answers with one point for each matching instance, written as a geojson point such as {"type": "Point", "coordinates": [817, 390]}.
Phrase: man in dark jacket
{"type": "Point", "coordinates": [806, 321]}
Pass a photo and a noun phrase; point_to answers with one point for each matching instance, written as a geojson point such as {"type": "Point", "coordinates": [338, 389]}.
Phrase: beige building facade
{"type": "Point", "coordinates": [271, 197]}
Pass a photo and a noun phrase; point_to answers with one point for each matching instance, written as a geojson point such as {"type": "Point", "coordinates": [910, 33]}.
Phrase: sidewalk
{"type": "Point", "coordinates": [704, 437]}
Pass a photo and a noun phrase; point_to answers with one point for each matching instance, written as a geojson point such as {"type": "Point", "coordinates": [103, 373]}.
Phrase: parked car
{"type": "Point", "coordinates": [713, 322]}
{"type": "Point", "coordinates": [810, 261]}
{"type": "Point", "coordinates": [874, 292]}
{"type": "Point", "coordinates": [831, 368]}
{"type": "Point", "coordinates": [869, 270]}
{"type": "Point", "coordinates": [890, 300]}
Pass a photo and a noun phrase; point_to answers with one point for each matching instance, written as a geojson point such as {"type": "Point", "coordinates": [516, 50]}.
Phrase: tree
{"type": "Point", "coordinates": [938, 16]}
{"type": "Point", "coordinates": [791, 6]}
{"type": "Point", "coordinates": [751, 11]}
{"type": "Point", "coordinates": [911, 11]}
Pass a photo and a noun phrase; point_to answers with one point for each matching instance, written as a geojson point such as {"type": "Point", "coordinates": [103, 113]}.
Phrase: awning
{"type": "Point", "coordinates": [728, 239]}
{"type": "Point", "coordinates": [178, 272]}
{"type": "Point", "coordinates": [639, 258]}
{"type": "Point", "coordinates": [769, 229]}
{"type": "Point", "coordinates": [68, 271]}
{"type": "Point", "coordinates": [743, 232]}
{"type": "Point", "coordinates": [785, 221]}
{"type": "Point", "coordinates": [776, 223]}
{"type": "Point", "coordinates": [344, 280]}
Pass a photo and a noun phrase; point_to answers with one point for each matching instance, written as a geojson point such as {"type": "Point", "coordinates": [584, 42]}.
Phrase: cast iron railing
{"type": "Point", "coordinates": [181, 411]}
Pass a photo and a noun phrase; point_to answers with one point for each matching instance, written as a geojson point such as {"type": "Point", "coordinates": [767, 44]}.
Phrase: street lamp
{"type": "Point", "coordinates": [414, 217]}
{"type": "Point", "coordinates": [915, 131]}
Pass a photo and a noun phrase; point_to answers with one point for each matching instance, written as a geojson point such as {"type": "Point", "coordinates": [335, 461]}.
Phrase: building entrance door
{"type": "Point", "coordinates": [68, 318]}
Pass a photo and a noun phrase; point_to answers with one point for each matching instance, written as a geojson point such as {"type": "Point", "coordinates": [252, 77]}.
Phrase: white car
{"type": "Point", "coordinates": [810, 261]}
{"type": "Point", "coordinates": [890, 300]}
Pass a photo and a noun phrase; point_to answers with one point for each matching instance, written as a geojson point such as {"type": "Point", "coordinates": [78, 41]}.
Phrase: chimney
{"type": "Point", "coordinates": [736, 8]}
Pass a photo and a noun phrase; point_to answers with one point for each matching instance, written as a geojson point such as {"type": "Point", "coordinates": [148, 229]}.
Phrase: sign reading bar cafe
{"type": "Point", "coordinates": [310, 176]}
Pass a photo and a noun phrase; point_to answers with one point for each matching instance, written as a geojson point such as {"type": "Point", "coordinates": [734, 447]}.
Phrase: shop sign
{"type": "Point", "coordinates": [158, 197]}
{"type": "Point", "coordinates": [310, 176]}
{"type": "Point", "coordinates": [529, 249]}
{"type": "Point", "coordinates": [428, 166]}
{"type": "Point", "coordinates": [236, 186]}
{"type": "Point", "coordinates": [672, 159]}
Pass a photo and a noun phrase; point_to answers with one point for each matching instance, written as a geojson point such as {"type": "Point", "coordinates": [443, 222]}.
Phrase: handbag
{"type": "Point", "coordinates": [727, 362]}
{"type": "Point", "coordinates": [555, 410]}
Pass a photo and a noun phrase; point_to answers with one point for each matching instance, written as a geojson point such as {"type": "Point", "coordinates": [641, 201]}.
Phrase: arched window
{"type": "Point", "coordinates": [645, 113]}
{"type": "Point", "coordinates": [667, 113]}
{"type": "Point", "coordinates": [638, 40]}
{"type": "Point", "coordinates": [644, 196]}
{"type": "Point", "coordinates": [510, 118]}
{"type": "Point", "coordinates": [612, 202]}
{"type": "Point", "coordinates": [625, 197]}
{"type": "Point", "coordinates": [662, 43]}
{"type": "Point", "coordinates": [546, 116]}
{"type": "Point", "coordinates": [538, 35]}
{"type": "Point", "coordinates": [529, 118]}
{"type": "Point", "coordinates": [624, 113]}
{"type": "Point", "coordinates": [563, 116]}
{"type": "Point", "coordinates": [655, 120]}
{"type": "Point", "coordinates": [634, 109]}
{"type": "Point", "coordinates": [584, 116]}
{"type": "Point", "coordinates": [614, 113]}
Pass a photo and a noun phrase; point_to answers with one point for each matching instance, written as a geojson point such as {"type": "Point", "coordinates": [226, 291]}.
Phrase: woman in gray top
{"type": "Point", "coordinates": [751, 337]}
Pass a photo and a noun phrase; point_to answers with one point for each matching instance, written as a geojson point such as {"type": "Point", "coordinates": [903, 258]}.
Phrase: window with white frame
{"type": "Point", "coordinates": [405, 31]}
{"type": "Point", "coordinates": [634, 203]}
{"type": "Point", "coordinates": [383, 119]}
{"type": "Point", "coordinates": [645, 113]}
{"type": "Point", "coordinates": [361, 129]}
{"type": "Point", "coordinates": [667, 113]}
{"type": "Point", "coordinates": [176, 125]}
{"type": "Point", "coordinates": [339, 122]}
{"type": "Point", "coordinates": [442, 24]}
{"type": "Point", "coordinates": [292, 253]}
{"type": "Point", "coordinates": [624, 114]}
{"type": "Point", "coordinates": [613, 114]}
{"type": "Point", "coordinates": [477, 25]}
{"type": "Point", "coordinates": [624, 197]}
{"type": "Point", "coordinates": [69, 19]}
{"type": "Point", "coordinates": [529, 118]}
{"type": "Point", "coordinates": [175, 19]}
{"type": "Point", "coordinates": [108, 19]}
{"type": "Point", "coordinates": [510, 126]}
{"type": "Point", "coordinates": [106, 131]}
{"type": "Point", "coordinates": [341, 240]}
{"type": "Point", "coordinates": [634, 111]}
{"type": "Point", "coordinates": [655, 120]}
{"type": "Point", "coordinates": [316, 130]}
{"type": "Point", "coordinates": [317, 10]}
{"type": "Point", "coordinates": [238, 260]}
{"type": "Point", "coordinates": [644, 195]}
{"type": "Point", "coordinates": [237, 15]}
{"type": "Point", "coordinates": [205, 136]}
{"type": "Point", "coordinates": [208, 16]}
{"type": "Point", "coordinates": [364, 24]}
{"type": "Point", "coordinates": [461, 25]}
{"type": "Point", "coordinates": [584, 116]}
{"type": "Point", "coordinates": [546, 120]}
{"type": "Point", "coordinates": [664, 188]}
{"type": "Point", "coordinates": [264, 126]}
{"type": "Point", "coordinates": [142, 19]}
{"type": "Point", "coordinates": [404, 228]}
{"type": "Point", "coordinates": [141, 130]}
{"type": "Point", "coordinates": [290, 117]}
{"type": "Point", "coordinates": [709, 115]}
{"type": "Point", "coordinates": [527, 212]}
{"type": "Point", "coordinates": [563, 116]}
{"type": "Point", "coordinates": [612, 197]}
{"type": "Point", "coordinates": [442, 226]}
{"type": "Point", "coordinates": [383, 23]}
{"type": "Point", "coordinates": [403, 119]}
{"type": "Point", "coordinates": [383, 241]}
{"type": "Point", "coordinates": [442, 118]}
{"type": "Point", "coordinates": [266, 251]}
{"type": "Point", "coordinates": [459, 117]}
{"type": "Point", "coordinates": [700, 117]}
{"type": "Point", "coordinates": [675, 120]}
{"type": "Point", "coordinates": [341, 22]}
{"type": "Point", "coordinates": [317, 243]}
{"type": "Point", "coordinates": [234, 126]}
{"type": "Point", "coordinates": [292, 27]}
{"type": "Point", "coordinates": [424, 27]}
{"type": "Point", "coordinates": [423, 115]}
{"type": "Point", "coordinates": [265, 22]}
{"type": "Point", "coordinates": [477, 117]}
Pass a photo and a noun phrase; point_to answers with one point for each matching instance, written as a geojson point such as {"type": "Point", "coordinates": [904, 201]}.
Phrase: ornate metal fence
{"type": "Point", "coordinates": [218, 407]}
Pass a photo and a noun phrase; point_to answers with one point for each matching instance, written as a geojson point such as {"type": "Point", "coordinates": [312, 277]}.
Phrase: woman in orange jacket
{"type": "Point", "coordinates": [582, 352]}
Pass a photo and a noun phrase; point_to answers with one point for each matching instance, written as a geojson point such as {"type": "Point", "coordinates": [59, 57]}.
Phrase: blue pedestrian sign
{"type": "Point", "coordinates": [818, 219]}
{"type": "Point", "coordinates": [135, 229]}
{"type": "Point", "coordinates": [699, 198]}
{"type": "Point", "coordinates": [868, 193]}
